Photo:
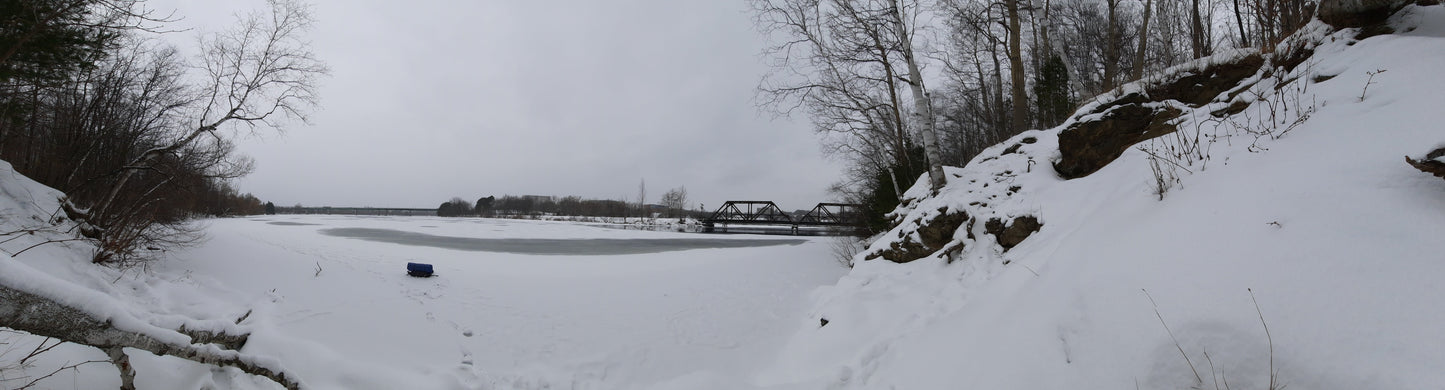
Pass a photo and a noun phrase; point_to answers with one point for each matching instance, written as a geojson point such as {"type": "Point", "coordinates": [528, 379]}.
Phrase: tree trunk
{"type": "Point", "coordinates": [1111, 47]}
{"type": "Point", "coordinates": [42, 316]}
{"type": "Point", "coordinates": [1239, 21]}
{"type": "Point", "coordinates": [1143, 42]}
{"type": "Point", "coordinates": [122, 363]}
{"type": "Point", "coordinates": [149, 157]}
{"type": "Point", "coordinates": [999, 117]}
{"type": "Point", "coordinates": [922, 108]}
{"type": "Point", "coordinates": [1016, 69]}
{"type": "Point", "coordinates": [900, 132]}
{"type": "Point", "coordinates": [1044, 32]}
{"type": "Point", "coordinates": [893, 176]}
{"type": "Point", "coordinates": [1196, 31]}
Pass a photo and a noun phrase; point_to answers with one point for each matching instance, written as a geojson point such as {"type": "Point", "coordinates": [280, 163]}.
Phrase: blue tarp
{"type": "Point", "coordinates": [418, 269]}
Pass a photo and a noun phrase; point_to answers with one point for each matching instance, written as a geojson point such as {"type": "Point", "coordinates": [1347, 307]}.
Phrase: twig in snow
{"type": "Point", "coordinates": [1273, 375]}
{"type": "Point", "coordinates": [1370, 81]}
{"type": "Point", "coordinates": [39, 349]}
{"type": "Point", "coordinates": [43, 243]}
{"type": "Point", "coordinates": [1197, 378]}
{"type": "Point", "coordinates": [75, 366]}
{"type": "Point", "coordinates": [1212, 371]}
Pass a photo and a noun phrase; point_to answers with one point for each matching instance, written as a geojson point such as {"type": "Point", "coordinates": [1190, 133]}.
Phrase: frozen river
{"type": "Point", "coordinates": [516, 305]}
{"type": "Point", "coordinates": [552, 246]}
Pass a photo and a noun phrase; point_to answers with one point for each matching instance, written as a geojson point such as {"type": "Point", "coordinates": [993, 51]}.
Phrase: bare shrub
{"type": "Point", "coordinates": [1267, 110]}
{"type": "Point", "coordinates": [15, 362]}
{"type": "Point", "coordinates": [845, 248]}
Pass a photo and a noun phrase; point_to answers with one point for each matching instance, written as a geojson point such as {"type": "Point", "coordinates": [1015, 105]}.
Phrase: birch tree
{"type": "Point", "coordinates": [922, 107]}
{"type": "Point", "coordinates": [843, 62]}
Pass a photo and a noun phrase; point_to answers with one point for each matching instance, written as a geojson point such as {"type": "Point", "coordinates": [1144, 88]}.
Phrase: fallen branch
{"type": "Point", "coordinates": [41, 316]}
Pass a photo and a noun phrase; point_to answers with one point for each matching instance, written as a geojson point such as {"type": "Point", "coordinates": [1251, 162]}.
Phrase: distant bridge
{"type": "Point", "coordinates": [356, 211]}
{"type": "Point", "coordinates": [755, 212]}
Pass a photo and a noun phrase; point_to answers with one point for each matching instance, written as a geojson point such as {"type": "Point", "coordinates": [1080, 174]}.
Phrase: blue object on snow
{"type": "Point", "coordinates": [419, 270]}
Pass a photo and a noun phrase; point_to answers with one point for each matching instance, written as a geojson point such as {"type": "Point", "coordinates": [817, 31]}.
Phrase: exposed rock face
{"type": "Point", "coordinates": [1011, 234]}
{"type": "Point", "coordinates": [1430, 163]}
{"type": "Point", "coordinates": [1088, 145]}
{"type": "Point", "coordinates": [933, 234]}
{"type": "Point", "coordinates": [1358, 13]}
{"type": "Point", "coordinates": [1198, 88]}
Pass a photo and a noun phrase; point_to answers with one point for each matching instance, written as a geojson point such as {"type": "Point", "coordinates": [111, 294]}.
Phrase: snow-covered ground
{"type": "Point", "coordinates": [489, 320]}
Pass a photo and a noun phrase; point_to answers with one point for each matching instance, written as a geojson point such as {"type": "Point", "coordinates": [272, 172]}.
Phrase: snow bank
{"type": "Point", "coordinates": [1310, 212]}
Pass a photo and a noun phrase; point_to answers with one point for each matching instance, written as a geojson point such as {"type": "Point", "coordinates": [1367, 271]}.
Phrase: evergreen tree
{"type": "Point", "coordinates": [1051, 93]}
{"type": "Point", "coordinates": [48, 40]}
{"type": "Point", "coordinates": [879, 198]}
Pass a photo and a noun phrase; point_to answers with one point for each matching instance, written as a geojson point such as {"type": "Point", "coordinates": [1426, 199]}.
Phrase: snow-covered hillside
{"type": "Point", "coordinates": [1297, 198]}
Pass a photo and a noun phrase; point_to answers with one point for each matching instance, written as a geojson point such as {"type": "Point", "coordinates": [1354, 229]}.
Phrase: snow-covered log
{"type": "Point", "coordinates": [41, 316]}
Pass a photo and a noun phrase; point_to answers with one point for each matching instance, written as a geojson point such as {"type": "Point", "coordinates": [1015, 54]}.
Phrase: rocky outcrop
{"type": "Point", "coordinates": [1106, 131]}
{"type": "Point", "coordinates": [1358, 13]}
{"type": "Point", "coordinates": [1433, 163]}
{"type": "Point", "coordinates": [1087, 146]}
{"type": "Point", "coordinates": [933, 235]}
{"type": "Point", "coordinates": [1009, 235]}
{"type": "Point", "coordinates": [1200, 87]}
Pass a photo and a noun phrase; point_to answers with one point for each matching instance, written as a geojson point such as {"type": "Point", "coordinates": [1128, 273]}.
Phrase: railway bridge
{"type": "Point", "coordinates": [767, 213]}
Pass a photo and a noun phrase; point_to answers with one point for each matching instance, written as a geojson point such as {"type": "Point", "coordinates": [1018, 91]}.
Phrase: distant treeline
{"type": "Point", "coordinates": [674, 204]}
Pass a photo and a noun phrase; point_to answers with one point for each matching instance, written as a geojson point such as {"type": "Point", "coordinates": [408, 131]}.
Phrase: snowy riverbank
{"type": "Point", "coordinates": [341, 312]}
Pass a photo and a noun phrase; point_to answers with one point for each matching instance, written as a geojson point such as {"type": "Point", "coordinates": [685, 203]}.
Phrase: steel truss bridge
{"type": "Point", "coordinates": [753, 212]}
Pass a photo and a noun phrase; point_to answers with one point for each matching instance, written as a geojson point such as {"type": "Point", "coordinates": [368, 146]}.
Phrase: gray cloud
{"type": "Point", "coordinates": [433, 99]}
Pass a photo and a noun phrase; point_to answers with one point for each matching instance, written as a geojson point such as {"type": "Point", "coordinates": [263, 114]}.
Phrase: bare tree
{"type": "Point", "coordinates": [261, 68]}
{"type": "Point", "coordinates": [1016, 68]}
{"type": "Point", "coordinates": [675, 200]}
{"type": "Point", "coordinates": [1199, 39]}
{"type": "Point", "coordinates": [642, 198]}
{"type": "Point", "coordinates": [1143, 42]}
{"type": "Point", "coordinates": [843, 61]}
{"type": "Point", "coordinates": [1111, 50]}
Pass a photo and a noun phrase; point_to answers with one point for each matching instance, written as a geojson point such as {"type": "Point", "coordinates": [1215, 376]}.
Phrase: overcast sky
{"type": "Point", "coordinates": [433, 99]}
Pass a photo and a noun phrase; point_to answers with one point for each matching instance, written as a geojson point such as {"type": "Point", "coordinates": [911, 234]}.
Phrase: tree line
{"type": "Point", "coordinates": [899, 88]}
{"type": "Point", "coordinates": [139, 136]}
{"type": "Point", "coordinates": [672, 204]}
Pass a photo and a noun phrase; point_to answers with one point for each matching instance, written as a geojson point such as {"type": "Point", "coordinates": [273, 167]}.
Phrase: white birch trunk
{"type": "Point", "coordinates": [42, 316]}
{"type": "Point", "coordinates": [922, 108]}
